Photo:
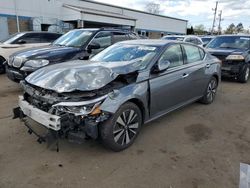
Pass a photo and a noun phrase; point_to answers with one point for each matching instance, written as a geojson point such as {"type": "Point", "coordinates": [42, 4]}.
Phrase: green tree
{"type": "Point", "coordinates": [239, 28]}
{"type": "Point", "coordinates": [200, 29]}
{"type": "Point", "coordinates": [190, 31]}
{"type": "Point", "coordinates": [230, 29]}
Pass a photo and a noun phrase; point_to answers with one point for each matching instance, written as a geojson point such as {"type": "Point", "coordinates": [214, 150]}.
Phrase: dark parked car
{"type": "Point", "coordinates": [206, 40]}
{"type": "Point", "coordinates": [118, 90]}
{"type": "Point", "coordinates": [23, 40]}
{"type": "Point", "coordinates": [76, 44]}
{"type": "Point", "coordinates": [234, 52]}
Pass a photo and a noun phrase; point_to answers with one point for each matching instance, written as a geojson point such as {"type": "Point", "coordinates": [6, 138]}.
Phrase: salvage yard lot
{"type": "Point", "coordinates": [197, 146]}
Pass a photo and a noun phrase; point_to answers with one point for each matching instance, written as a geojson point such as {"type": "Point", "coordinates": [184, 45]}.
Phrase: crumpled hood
{"type": "Point", "coordinates": [79, 75]}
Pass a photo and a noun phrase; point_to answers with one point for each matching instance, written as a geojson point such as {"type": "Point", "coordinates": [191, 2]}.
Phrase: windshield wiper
{"type": "Point", "coordinates": [59, 44]}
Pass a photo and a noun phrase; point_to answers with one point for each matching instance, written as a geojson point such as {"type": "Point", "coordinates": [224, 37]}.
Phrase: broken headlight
{"type": "Point", "coordinates": [81, 108]}
{"type": "Point", "coordinates": [34, 64]}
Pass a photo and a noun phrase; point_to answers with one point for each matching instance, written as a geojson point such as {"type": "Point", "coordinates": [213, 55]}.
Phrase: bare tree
{"type": "Point", "coordinates": [153, 8]}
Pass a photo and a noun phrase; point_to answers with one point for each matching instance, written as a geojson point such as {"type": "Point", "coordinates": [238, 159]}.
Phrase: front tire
{"type": "Point", "coordinates": [244, 76]}
{"type": "Point", "coordinates": [2, 66]}
{"type": "Point", "coordinates": [210, 93]}
{"type": "Point", "coordinates": [121, 130]}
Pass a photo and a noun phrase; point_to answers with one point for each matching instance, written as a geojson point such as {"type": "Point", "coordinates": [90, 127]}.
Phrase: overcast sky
{"type": "Point", "coordinates": [196, 11]}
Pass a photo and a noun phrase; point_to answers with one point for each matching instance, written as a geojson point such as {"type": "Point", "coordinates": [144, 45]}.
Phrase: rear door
{"type": "Point", "coordinates": [169, 89]}
{"type": "Point", "coordinates": [196, 68]}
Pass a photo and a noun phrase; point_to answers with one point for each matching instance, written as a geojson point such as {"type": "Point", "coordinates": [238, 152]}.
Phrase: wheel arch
{"type": "Point", "coordinates": [2, 58]}
{"type": "Point", "coordinates": [216, 77]}
{"type": "Point", "coordinates": [140, 105]}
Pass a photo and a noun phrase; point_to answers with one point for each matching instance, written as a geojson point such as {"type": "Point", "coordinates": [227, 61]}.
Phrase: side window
{"type": "Point", "coordinates": [192, 53]}
{"type": "Point", "coordinates": [173, 54]}
{"type": "Point", "coordinates": [118, 36]}
{"type": "Point", "coordinates": [48, 37]}
{"type": "Point", "coordinates": [103, 38]}
{"type": "Point", "coordinates": [188, 39]}
{"type": "Point", "coordinates": [31, 38]}
{"type": "Point", "coordinates": [198, 42]}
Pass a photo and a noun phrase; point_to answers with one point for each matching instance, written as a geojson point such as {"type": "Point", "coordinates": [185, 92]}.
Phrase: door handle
{"type": "Point", "coordinates": [185, 75]}
{"type": "Point", "coordinates": [208, 66]}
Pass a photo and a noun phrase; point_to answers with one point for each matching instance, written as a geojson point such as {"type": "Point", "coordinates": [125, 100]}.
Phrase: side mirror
{"type": "Point", "coordinates": [161, 66]}
{"type": "Point", "coordinates": [93, 46]}
{"type": "Point", "coordinates": [204, 45]}
{"type": "Point", "coordinates": [21, 41]}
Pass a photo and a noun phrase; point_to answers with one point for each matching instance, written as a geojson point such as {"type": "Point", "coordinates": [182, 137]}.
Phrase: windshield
{"type": "Point", "coordinates": [235, 42]}
{"type": "Point", "coordinates": [12, 38]}
{"type": "Point", "coordinates": [75, 38]}
{"type": "Point", "coordinates": [174, 38]}
{"type": "Point", "coordinates": [127, 52]}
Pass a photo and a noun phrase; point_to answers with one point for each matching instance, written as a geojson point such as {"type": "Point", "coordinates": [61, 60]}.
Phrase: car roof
{"type": "Point", "coordinates": [174, 35]}
{"type": "Point", "coordinates": [38, 32]}
{"type": "Point", "coordinates": [153, 42]}
{"type": "Point", "coordinates": [103, 29]}
{"type": "Point", "coordinates": [231, 35]}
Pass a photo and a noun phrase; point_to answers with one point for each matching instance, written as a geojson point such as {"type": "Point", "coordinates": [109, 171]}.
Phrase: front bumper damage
{"type": "Point", "coordinates": [74, 127]}
{"type": "Point", "coordinates": [231, 69]}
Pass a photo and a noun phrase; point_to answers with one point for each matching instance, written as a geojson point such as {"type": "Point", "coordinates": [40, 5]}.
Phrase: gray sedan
{"type": "Point", "coordinates": [123, 87]}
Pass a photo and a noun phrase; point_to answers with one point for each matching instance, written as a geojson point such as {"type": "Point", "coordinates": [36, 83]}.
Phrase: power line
{"type": "Point", "coordinates": [215, 12]}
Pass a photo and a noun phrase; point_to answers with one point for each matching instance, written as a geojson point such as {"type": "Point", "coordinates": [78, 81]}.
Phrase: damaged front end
{"type": "Point", "coordinates": [61, 114]}
{"type": "Point", "coordinates": [75, 114]}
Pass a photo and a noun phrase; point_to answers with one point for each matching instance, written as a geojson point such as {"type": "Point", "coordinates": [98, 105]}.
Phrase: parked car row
{"type": "Point", "coordinates": [76, 44]}
{"type": "Point", "coordinates": [111, 85]}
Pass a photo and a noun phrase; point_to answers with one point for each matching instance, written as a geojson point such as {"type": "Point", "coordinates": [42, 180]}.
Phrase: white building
{"type": "Point", "coordinates": [62, 15]}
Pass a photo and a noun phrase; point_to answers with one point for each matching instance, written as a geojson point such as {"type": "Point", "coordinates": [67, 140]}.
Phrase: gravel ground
{"type": "Point", "coordinates": [199, 146]}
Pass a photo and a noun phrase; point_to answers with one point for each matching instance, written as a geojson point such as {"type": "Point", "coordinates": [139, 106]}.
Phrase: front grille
{"type": "Point", "coordinates": [37, 103]}
{"type": "Point", "coordinates": [220, 57]}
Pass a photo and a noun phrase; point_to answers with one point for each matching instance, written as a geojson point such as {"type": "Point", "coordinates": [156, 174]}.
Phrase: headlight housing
{"type": "Point", "coordinates": [34, 64]}
{"type": "Point", "coordinates": [235, 57]}
{"type": "Point", "coordinates": [80, 108]}
{"type": "Point", "coordinates": [17, 61]}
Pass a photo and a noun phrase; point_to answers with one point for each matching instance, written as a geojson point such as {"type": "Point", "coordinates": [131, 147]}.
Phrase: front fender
{"type": "Point", "coordinates": [137, 91]}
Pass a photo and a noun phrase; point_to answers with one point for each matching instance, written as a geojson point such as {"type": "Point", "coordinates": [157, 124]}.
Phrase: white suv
{"type": "Point", "coordinates": [185, 38]}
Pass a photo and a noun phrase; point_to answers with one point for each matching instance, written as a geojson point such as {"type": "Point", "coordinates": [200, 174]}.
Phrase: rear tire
{"type": "Point", "coordinates": [210, 93]}
{"type": "Point", "coordinates": [121, 130]}
{"type": "Point", "coordinates": [244, 76]}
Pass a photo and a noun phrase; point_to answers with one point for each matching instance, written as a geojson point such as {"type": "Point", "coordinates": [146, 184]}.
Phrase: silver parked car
{"type": "Point", "coordinates": [126, 85]}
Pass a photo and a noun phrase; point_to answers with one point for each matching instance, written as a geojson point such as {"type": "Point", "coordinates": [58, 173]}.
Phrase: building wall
{"type": "Point", "coordinates": [47, 10]}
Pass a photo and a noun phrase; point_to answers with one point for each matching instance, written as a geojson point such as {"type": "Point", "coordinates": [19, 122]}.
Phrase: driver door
{"type": "Point", "coordinates": [168, 88]}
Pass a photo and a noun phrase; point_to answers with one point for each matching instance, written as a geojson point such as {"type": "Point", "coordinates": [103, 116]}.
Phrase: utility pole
{"type": "Point", "coordinates": [17, 18]}
{"type": "Point", "coordinates": [215, 12]}
{"type": "Point", "coordinates": [219, 26]}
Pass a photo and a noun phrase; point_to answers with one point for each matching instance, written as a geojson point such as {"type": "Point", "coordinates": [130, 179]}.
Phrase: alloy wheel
{"type": "Point", "coordinates": [126, 127]}
{"type": "Point", "coordinates": [211, 90]}
{"type": "Point", "coordinates": [247, 74]}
